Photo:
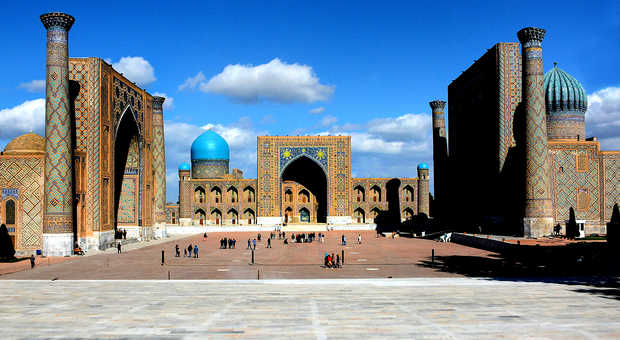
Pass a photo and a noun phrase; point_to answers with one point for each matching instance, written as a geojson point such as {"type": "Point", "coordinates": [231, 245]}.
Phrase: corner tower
{"type": "Point", "coordinates": [440, 151]}
{"type": "Point", "coordinates": [58, 233]}
{"type": "Point", "coordinates": [423, 200]}
{"type": "Point", "coordinates": [537, 220]}
{"type": "Point", "coordinates": [159, 161]}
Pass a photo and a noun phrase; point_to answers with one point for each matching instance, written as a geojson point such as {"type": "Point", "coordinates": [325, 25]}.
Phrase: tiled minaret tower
{"type": "Point", "coordinates": [185, 213]}
{"type": "Point", "coordinates": [440, 152]}
{"type": "Point", "coordinates": [58, 213]}
{"type": "Point", "coordinates": [537, 220]}
{"type": "Point", "coordinates": [423, 200]}
{"type": "Point", "coordinates": [159, 160]}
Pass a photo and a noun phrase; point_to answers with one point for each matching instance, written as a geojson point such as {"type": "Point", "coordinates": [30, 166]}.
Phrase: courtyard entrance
{"type": "Point", "coordinates": [311, 176]}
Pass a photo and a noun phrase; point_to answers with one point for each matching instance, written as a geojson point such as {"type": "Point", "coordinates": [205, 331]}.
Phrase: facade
{"type": "Point", "coordinates": [524, 160]}
{"type": "Point", "coordinates": [101, 165]}
{"type": "Point", "coordinates": [305, 179]}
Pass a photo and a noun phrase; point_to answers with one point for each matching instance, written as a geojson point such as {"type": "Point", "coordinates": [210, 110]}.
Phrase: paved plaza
{"type": "Point", "coordinates": [419, 308]}
{"type": "Point", "coordinates": [374, 258]}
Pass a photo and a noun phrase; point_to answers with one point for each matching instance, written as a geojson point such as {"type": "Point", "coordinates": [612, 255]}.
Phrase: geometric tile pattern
{"type": "Point", "coordinates": [509, 82]}
{"type": "Point", "coordinates": [94, 145]}
{"type": "Point", "coordinates": [26, 175]}
{"type": "Point", "coordinates": [127, 202]}
{"type": "Point", "coordinates": [569, 184]}
{"type": "Point", "coordinates": [58, 163]}
{"type": "Point", "coordinates": [159, 164]}
{"type": "Point", "coordinates": [612, 183]}
{"type": "Point", "coordinates": [79, 73]}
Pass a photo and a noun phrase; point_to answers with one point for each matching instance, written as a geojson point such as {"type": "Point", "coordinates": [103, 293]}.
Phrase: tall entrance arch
{"type": "Point", "coordinates": [319, 164]}
{"type": "Point", "coordinates": [127, 176]}
{"type": "Point", "coordinates": [308, 173]}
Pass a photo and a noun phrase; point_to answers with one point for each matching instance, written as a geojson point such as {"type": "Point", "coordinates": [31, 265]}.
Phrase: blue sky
{"type": "Point", "coordinates": [370, 68]}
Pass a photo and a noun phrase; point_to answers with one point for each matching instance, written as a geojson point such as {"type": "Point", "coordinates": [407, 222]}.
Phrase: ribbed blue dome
{"type": "Point", "coordinates": [422, 166]}
{"type": "Point", "coordinates": [184, 166]}
{"type": "Point", "coordinates": [563, 93]}
{"type": "Point", "coordinates": [210, 146]}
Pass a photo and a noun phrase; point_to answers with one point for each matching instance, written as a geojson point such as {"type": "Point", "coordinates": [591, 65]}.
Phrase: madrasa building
{"type": "Point", "coordinates": [100, 166]}
{"type": "Point", "coordinates": [516, 157]}
{"type": "Point", "coordinates": [301, 180]}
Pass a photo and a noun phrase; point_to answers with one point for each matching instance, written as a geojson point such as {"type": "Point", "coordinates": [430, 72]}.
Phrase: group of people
{"type": "Point", "coordinates": [228, 243]}
{"type": "Point", "coordinates": [332, 261]}
{"type": "Point", "coordinates": [120, 234]}
{"type": "Point", "coordinates": [190, 251]}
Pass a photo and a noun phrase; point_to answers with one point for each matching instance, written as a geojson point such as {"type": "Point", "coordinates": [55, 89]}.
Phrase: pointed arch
{"type": "Point", "coordinates": [359, 215]}
{"type": "Point", "coordinates": [407, 193]}
{"type": "Point", "coordinates": [359, 193]}
{"type": "Point", "coordinates": [375, 192]}
{"type": "Point", "coordinates": [200, 216]}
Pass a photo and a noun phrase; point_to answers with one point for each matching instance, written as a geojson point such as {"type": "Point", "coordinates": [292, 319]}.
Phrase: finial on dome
{"type": "Point", "coordinates": [555, 64]}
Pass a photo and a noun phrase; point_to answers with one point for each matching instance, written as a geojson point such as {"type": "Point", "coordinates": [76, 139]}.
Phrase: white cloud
{"type": "Point", "coordinates": [603, 117]}
{"type": "Point", "coordinates": [136, 69]}
{"type": "Point", "coordinates": [408, 126]}
{"type": "Point", "coordinates": [33, 86]}
{"type": "Point", "coordinates": [191, 82]}
{"type": "Point", "coordinates": [168, 103]}
{"type": "Point", "coordinates": [329, 120]}
{"type": "Point", "coordinates": [25, 117]}
{"type": "Point", "coordinates": [275, 81]}
{"type": "Point", "coordinates": [317, 110]}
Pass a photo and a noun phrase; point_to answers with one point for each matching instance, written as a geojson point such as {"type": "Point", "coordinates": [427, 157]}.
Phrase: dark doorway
{"type": "Point", "coordinates": [308, 173]}
{"type": "Point", "coordinates": [126, 139]}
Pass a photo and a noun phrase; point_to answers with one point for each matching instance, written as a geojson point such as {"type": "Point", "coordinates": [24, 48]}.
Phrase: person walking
{"type": "Point", "coordinates": [195, 251]}
{"type": "Point", "coordinates": [176, 250]}
{"type": "Point", "coordinates": [118, 247]}
{"type": "Point", "coordinates": [359, 238]}
{"type": "Point", "coordinates": [189, 250]}
{"type": "Point", "coordinates": [31, 261]}
{"type": "Point", "coordinates": [249, 245]}
{"type": "Point", "coordinates": [254, 242]}
{"type": "Point", "coordinates": [204, 236]}
{"type": "Point", "coordinates": [269, 243]}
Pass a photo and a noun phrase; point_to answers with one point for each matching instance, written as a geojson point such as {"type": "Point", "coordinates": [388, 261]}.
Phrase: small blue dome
{"type": "Point", "coordinates": [422, 166]}
{"type": "Point", "coordinates": [210, 146]}
{"type": "Point", "coordinates": [184, 166]}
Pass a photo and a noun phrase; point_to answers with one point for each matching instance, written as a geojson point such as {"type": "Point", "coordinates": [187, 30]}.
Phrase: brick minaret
{"type": "Point", "coordinates": [159, 161]}
{"type": "Point", "coordinates": [423, 200]}
{"type": "Point", "coordinates": [440, 153]}
{"type": "Point", "coordinates": [58, 213]}
{"type": "Point", "coordinates": [537, 220]}
{"type": "Point", "coordinates": [185, 197]}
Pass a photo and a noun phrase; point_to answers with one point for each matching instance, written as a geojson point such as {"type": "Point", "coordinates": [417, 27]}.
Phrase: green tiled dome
{"type": "Point", "coordinates": [563, 93]}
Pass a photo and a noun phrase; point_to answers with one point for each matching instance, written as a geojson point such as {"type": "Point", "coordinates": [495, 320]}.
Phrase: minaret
{"type": "Point", "coordinates": [185, 198]}
{"type": "Point", "coordinates": [58, 213]}
{"type": "Point", "coordinates": [159, 161]}
{"type": "Point", "coordinates": [440, 152]}
{"type": "Point", "coordinates": [423, 201]}
{"type": "Point", "coordinates": [537, 220]}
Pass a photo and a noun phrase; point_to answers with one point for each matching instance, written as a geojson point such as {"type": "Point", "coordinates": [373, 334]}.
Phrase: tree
{"type": "Point", "coordinates": [6, 245]}
{"type": "Point", "coordinates": [613, 227]}
{"type": "Point", "coordinates": [572, 231]}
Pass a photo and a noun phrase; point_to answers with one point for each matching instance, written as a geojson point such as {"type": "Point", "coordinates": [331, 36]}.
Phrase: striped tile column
{"type": "Point", "coordinates": [159, 161]}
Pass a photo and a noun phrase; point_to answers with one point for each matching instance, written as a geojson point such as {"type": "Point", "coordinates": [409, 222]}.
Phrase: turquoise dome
{"type": "Point", "coordinates": [422, 166]}
{"type": "Point", "coordinates": [184, 166]}
{"type": "Point", "coordinates": [563, 93]}
{"type": "Point", "coordinates": [210, 146]}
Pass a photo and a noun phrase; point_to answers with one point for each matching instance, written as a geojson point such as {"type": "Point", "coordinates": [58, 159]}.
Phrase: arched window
{"type": "Point", "coordinates": [199, 195]}
{"type": "Point", "coordinates": [10, 212]}
{"type": "Point", "coordinates": [217, 194]}
{"type": "Point", "coordinates": [249, 193]}
{"type": "Point", "coordinates": [375, 192]}
{"type": "Point", "coordinates": [408, 194]}
{"type": "Point", "coordinates": [304, 196]}
{"type": "Point", "coordinates": [288, 196]}
{"type": "Point", "coordinates": [360, 193]}
{"type": "Point", "coordinates": [234, 194]}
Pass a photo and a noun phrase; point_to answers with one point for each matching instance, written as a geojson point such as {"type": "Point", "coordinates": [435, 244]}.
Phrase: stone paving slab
{"type": "Point", "coordinates": [426, 308]}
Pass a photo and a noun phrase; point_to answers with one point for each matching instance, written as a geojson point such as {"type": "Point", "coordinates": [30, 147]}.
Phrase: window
{"type": "Point", "coordinates": [10, 212]}
{"type": "Point", "coordinates": [583, 199]}
{"type": "Point", "coordinates": [582, 162]}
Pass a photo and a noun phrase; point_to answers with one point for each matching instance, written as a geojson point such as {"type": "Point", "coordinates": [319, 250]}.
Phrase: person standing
{"type": "Point", "coordinates": [254, 242]}
{"type": "Point", "coordinates": [204, 236]}
{"type": "Point", "coordinates": [177, 252]}
{"type": "Point", "coordinates": [249, 245]}
{"type": "Point", "coordinates": [195, 251]}
{"type": "Point", "coordinates": [118, 247]}
{"type": "Point", "coordinates": [269, 243]}
{"type": "Point", "coordinates": [189, 250]}
{"type": "Point", "coordinates": [31, 261]}
{"type": "Point", "coordinates": [359, 238]}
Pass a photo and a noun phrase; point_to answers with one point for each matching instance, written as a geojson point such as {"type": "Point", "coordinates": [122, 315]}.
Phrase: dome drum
{"type": "Point", "coordinates": [215, 168]}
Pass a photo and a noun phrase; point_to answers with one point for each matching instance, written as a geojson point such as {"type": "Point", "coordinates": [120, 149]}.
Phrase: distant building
{"type": "Point", "coordinates": [303, 179]}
